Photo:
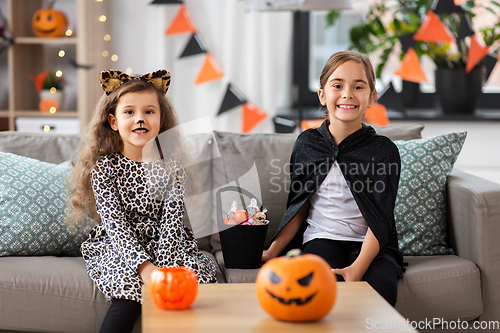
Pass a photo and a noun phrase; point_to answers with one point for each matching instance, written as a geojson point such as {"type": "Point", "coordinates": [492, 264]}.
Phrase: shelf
{"type": "Point", "coordinates": [58, 114]}
{"type": "Point", "coordinates": [310, 113]}
{"type": "Point", "coordinates": [46, 41]}
{"type": "Point", "coordinates": [4, 113]}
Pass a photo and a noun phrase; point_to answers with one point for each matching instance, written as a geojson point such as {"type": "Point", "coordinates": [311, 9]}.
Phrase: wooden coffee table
{"type": "Point", "coordinates": [233, 307]}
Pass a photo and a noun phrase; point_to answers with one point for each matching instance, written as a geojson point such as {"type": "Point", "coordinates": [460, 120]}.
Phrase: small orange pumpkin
{"type": "Point", "coordinates": [49, 22]}
{"type": "Point", "coordinates": [173, 288]}
{"type": "Point", "coordinates": [296, 287]}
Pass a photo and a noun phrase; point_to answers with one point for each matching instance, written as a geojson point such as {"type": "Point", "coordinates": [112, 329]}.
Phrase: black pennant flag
{"type": "Point", "coordinates": [465, 28]}
{"type": "Point", "coordinates": [445, 7]}
{"type": "Point", "coordinates": [159, 2]}
{"type": "Point", "coordinates": [407, 41]}
{"type": "Point", "coordinates": [194, 46]}
{"type": "Point", "coordinates": [490, 61]}
{"type": "Point", "coordinates": [391, 99]}
{"type": "Point", "coordinates": [232, 99]}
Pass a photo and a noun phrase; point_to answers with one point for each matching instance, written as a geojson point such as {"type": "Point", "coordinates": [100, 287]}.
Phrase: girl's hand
{"type": "Point", "coordinates": [145, 270]}
{"type": "Point", "coordinates": [350, 273]}
{"type": "Point", "coordinates": [266, 256]}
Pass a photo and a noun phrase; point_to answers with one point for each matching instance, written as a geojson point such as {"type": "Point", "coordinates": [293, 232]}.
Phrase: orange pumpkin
{"type": "Point", "coordinates": [173, 288]}
{"type": "Point", "coordinates": [49, 22]}
{"type": "Point", "coordinates": [296, 287]}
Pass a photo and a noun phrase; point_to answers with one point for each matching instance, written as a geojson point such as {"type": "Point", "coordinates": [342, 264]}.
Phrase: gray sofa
{"type": "Point", "coordinates": [54, 293]}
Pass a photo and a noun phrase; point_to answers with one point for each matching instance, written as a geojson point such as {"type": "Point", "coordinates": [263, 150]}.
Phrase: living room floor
{"type": "Point", "coordinates": [480, 154]}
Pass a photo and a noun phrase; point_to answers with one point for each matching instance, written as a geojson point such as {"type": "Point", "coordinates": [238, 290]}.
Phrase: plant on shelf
{"type": "Point", "coordinates": [50, 86]}
{"type": "Point", "coordinates": [388, 21]}
{"type": "Point", "coordinates": [48, 80]}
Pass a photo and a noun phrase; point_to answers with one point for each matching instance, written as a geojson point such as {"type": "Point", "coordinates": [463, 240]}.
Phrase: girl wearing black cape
{"type": "Point", "coordinates": [344, 181]}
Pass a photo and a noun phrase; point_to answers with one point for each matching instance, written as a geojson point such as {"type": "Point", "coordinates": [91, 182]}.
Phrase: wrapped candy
{"type": "Point", "coordinates": [252, 208]}
{"type": "Point", "coordinates": [251, 216]}
{"type": "Point", "coordinates": [234, 208]}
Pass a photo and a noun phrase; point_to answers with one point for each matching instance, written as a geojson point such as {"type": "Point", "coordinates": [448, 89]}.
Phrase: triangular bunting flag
{"type": "Point", "coordinates": [166, 2]}
{"type": "Point", "coordinates": [182, 23]}
{"type": "Point", "coordinates": [407, 41]}
{"type": "Point", "coordinates": [445, 7]}
{"type": "Point", "coordinates": [411, 69]}
{"type": "Point", "coordinates": [459, 2]}
{"type": "Point", "coordinates": [210, 70]}
{"type": "Point", "coordinates": [193, 47]}
{"type": "Point", "coordinates": [252, 115]}
{"type": "Point", "coordinates": [465, 28]}
{"type": "Point", "coordinates": [377, 115]}
{"type": "Point", "coordinates": [433, 30]}
{"type": "Point", "coordinates": [232, 99]}
{"type": "Point", "coordinates": [476, 53]}
{"type": "Point", "coordinates": [490, 62]}
{"type": "Point", "coordinates": [391, 99]}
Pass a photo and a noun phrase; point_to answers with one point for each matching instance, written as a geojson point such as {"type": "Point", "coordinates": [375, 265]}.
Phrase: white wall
{"type": "Point", "coordinates": [252, 48]}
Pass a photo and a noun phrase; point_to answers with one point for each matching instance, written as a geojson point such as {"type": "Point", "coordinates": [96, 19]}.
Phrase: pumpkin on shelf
{"type": "Point", "coordinates": [49, 22]}
{"type": "Point", "coordinates": [173, 288]}
{"type": "Point", "coordinates": [296, 287]}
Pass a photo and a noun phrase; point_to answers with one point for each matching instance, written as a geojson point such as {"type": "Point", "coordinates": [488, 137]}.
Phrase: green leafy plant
{"type": "Point", "coordinates": [48, 80]}
{"type": "Point", "coordinates": [388, 20]}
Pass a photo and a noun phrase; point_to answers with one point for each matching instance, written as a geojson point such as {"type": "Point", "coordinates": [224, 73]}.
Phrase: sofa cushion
{"type": "Point", "coordinates": [444, 286]}
{"type": "Point", "coordinates": [47, 147]}
{"type": "Point", "coordinates": [49, 294]}
{"type": "Point", "coordinates": [401, 131]}
{"type": "Point", "coordinates": [33, 208]}
{"type": "Point", "coordinates": [420, 210]}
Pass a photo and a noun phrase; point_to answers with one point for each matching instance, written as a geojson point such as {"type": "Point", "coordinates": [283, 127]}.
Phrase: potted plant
{"type": "Point", "coordinates": [50, 87]}
{"type": "Point", "coordinates": [389, 24]}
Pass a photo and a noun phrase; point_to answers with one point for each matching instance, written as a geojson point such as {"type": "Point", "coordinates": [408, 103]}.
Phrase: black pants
{"type": "Point", "coordinates": [121, 316]}
{"type": "Point", "coordinates": [381, 275]}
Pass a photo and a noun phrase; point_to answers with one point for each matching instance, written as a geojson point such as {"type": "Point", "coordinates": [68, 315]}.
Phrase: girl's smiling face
{"type": "Point", "coordinates": [347, 93]}
{"type": "Point", "coordinates": [137, 119]}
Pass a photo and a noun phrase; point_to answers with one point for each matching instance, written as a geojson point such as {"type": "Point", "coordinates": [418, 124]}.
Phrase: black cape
{"type": "Point", "coordinates": [370, 164]}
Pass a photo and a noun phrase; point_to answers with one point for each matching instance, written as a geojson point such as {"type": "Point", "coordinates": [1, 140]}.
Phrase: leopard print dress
{"type": "Point", "coordinates": [141, 205]}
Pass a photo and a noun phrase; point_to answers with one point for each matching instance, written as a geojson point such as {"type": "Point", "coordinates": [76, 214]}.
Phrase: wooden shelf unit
{"type": "Point", "coordinates": [30, 55]}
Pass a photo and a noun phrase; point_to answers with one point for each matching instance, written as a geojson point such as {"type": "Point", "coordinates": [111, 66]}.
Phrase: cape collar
{"type": "Point", "coordinates": [353, 138]}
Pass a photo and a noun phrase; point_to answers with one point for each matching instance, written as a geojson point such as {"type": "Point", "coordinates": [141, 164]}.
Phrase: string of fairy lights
{"type": "Point", "coordinates": [105, 53]}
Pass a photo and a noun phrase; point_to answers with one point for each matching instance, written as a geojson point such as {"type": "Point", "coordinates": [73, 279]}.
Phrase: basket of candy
{"type": "Point", "coordinates": [242, 231]}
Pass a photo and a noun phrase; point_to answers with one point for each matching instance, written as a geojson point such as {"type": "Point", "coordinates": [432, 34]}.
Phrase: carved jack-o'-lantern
{"type": "Point", "coordinates": [296, 288]}
{"type": "Point", "coordinates": [173, 288]}
{"type": "Point", "coordinates": [49, 22]}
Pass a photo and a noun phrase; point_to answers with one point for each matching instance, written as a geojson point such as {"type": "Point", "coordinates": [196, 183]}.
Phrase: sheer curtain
{"type": "Point", "coordinates": [253, 50]}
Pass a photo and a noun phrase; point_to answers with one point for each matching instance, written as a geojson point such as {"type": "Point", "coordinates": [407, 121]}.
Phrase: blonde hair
{"type": "Point", "coordinates": [100, 139]}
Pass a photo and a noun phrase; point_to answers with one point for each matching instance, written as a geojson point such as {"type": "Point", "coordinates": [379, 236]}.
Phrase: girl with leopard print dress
{"type": "Point", "coordinates": [136, 194]}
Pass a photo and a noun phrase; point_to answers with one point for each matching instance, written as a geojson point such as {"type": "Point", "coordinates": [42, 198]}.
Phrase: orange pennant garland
{"type": "Point", "coordinates": [182, 23]}
{"type": "Point", "coordinates": [411, 69]}
{"type": "Point", "coordinates": [476, 53]}
{"type": "Point", "coordinates": [459, 2]}
{"type": "Point", "coordinates": [210, 70]}
{"type": "Point", "coordinates": [377, 115]}
{"type": "Point", "coordinates": [433, 30]}
{"type": "Point", "coordinates": [252, 116]}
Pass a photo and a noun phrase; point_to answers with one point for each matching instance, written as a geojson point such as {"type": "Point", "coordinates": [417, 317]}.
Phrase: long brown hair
{"type": "Point", "coordinates": [100, 139]}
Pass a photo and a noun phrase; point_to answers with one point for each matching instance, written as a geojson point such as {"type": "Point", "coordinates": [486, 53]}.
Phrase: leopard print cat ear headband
{"type": "Point", "coordinates": [112, 79]}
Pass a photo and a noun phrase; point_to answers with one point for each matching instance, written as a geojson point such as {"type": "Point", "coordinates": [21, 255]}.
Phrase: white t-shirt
{"type": "Point", "coordinates": [334, 213]}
